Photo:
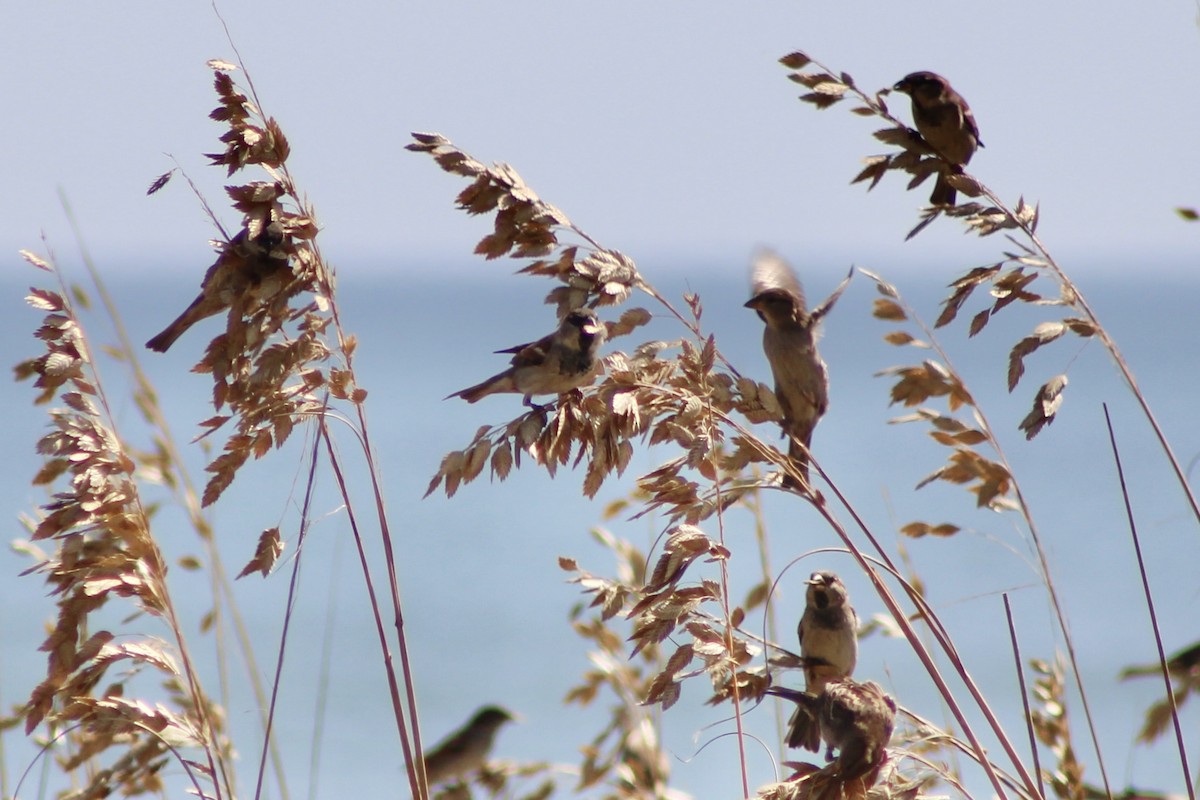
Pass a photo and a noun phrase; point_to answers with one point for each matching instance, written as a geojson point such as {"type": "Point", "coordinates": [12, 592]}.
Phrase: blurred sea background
{"type": "Point", "coordinates": [486, 605]}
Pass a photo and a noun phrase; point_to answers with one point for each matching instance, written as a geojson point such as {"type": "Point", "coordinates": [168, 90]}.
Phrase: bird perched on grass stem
{"type": "Point", "coordinates": [557, 363]}
{"type": "Point", "coordinates": [857, 719]}
{"type": "Point", "coordinates": [828, 633]}
{"type": "Point", "coordinates": [465, 750]}
{"type": "Point", "coordinates": [945, 122]}
{"type": "Point", "coordinates": [249, 262]}
{"type": "Point", "coordinates": [790, 344]}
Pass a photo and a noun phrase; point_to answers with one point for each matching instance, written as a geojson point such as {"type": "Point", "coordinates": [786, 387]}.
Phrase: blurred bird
{"type": "Point", "coordinates": [465, 750]}
{"type": "Point", "coordinates": [244, 264]}
{"type": "Point", "coordinates": [560, 362]}
{"type": "Point", "coordinates": [1183, 665]}
{"type": "Point", "coordinates": [790, 344]}
{"type": "Point", "coordinates": [945, 122]}
{"type": "Point", "coordinates": [857, 719]}
{"type": "Point", "coordinates": [828, 634]}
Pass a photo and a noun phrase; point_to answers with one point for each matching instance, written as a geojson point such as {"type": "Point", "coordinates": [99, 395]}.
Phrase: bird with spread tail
{"type": "Point", "coordinates": [248, 263]}
{"type": "Point", "coordinates": [945, 122]}
{"type": "Point", "coordinates": [828, 633]}
{"type": "Point", "coordinates": [857, 720]}
{"type": "Point", "coordinates": [854, 718]}
{"type": "Point", "coordinates": [557, 363]}
{"type": "Point", "coordinates": [466, 749]}
{"type": "Point", "coordinates": [790, 344]}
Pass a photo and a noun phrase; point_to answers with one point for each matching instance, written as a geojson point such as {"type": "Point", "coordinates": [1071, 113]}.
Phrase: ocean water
{"type": "Point", "coordinates": [486, 605]}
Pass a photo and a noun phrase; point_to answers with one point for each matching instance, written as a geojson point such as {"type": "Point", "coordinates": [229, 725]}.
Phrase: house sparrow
{"type": "Point", "coordinates": [945, 122]}
{"type": "Point", "coordinates": [465, 750]}
{"type": "Point", "coordinates": [790, 344]}
{"type": "Point", "coordinates": [560, 362]}
{"type": "Point", "coordinates": [244, 265]}
{"type": "Point", "coordinates": [857, 719]}
{"type": "Point", "coordinates": [828, 634]}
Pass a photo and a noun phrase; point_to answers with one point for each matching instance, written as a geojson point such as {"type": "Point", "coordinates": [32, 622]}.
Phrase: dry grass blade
{"type": "Point", "coordinates": [1045, 406]}
{"type": "Point", "coordinates": [1171, 701]}
{"type": "Point", "coordinates": [104, 552]}
{"type": "Point", "coordinates": [627, 754]}
{"type": "Point", "coordinates": [528, 227]}
{"type": "Point", "coordinates": [1051, 723]}
{"type": "Point", "coordinates": [267, 276]}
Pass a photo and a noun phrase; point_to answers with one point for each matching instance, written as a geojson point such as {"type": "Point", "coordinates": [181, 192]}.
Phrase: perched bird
{"type": "Point", "coordinates": [790, 344]}
{"type": "Point", "coordinates": [465, 750]}
{"type": "Point", "coordinates": [560, 362]}
{"type": "Point", "coordinates": [828, 634]}
{"type": "Point", "coordinates": [945, 122]}
{"type": "Point", "coordinates": [245, 264]}
{"type": "Point", "coordinates": [857, 719]}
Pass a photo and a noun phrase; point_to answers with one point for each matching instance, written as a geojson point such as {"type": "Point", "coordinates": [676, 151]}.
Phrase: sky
{"type": "Point", "coordinates": [665, 130]}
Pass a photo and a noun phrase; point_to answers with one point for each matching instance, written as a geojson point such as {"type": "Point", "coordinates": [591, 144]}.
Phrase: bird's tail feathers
{"type": "Point", "coordinates": [195, 312]}
{"type": "Point", "coordinates": [497, 383]}
{"type": "Point", "coordinates": [163, 341]}
{"type": "Point", "coordinates": [943, 193]}
{"type": "Point", "coordinates": [799, 457]}
{"type": "Point", "coordinates": [804, 728]}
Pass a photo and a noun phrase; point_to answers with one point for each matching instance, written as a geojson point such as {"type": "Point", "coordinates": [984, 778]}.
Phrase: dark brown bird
{"type": "Point", "coordinates": [857, 720]}
{"type": "Point", "coordinates": [465, 750]}
{"type": "Point", "coordinates": [790, 344]}
{"type": "Point", "coordinates": [557, 363]}
{"type": "Point", "coordinates": [246, 264]}
{"type": "Point", "coordinates": [945, 122]}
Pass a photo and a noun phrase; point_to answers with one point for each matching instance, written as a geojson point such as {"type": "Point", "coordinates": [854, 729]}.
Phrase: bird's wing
{"type": "Point", "coordinates": [530, 354]}
{"type": "Point", "coordinates": [825, 307]}
{"type": "Point", "coordinates": [966, 115]}
{"type": "Point", "coordinates": [770, 271]}
{"type": "Point", "coordinates": [797, 696]}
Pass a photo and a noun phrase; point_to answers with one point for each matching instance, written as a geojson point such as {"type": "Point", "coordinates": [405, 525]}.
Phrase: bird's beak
{"type": "Point", "coordinates": [753, 302]}
{"type": "Point", "coordinates": [900, 86]}
{"type": "Point", "coordinates": [592, 328]}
